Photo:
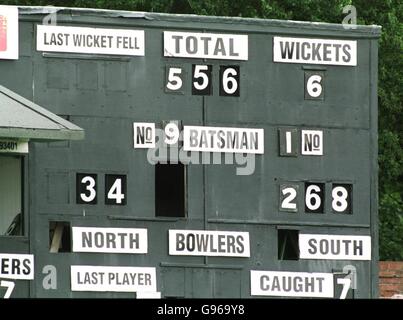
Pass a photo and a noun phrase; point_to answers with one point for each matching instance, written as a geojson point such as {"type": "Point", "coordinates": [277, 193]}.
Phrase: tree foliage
{"type": "Point", "coordinates": [387, 13]}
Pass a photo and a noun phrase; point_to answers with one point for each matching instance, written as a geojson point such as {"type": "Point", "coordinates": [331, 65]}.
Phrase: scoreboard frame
{"type": "Point", "coordinates": [305, 121]}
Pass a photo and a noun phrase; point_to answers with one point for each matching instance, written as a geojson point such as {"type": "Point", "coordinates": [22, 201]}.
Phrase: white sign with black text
{"type": "Point", "coordinates": [148, 295]}
{"type": "Point", "coordinates": [209, 243]}
{"type": "Point", "coordinates": [205, 45]}
{"type": "Point", "coordinates": [13, 146]}
{"type": "Point", "coordinates": [90, 40]}
{"type": "Point", "coordinates": [334, 247]}
{"type": "Point", "coordinates": [113, 279]}
{"type": "Point", "coordinates": [312, 142]}
{"type": "Point", "coordinates": [17, 266]}
{"type": "Point", "coordinates": [315, 51]}
{"type": "Point", "coordinates": [144, 135]}
{"type": "Point", "coordinates": [218, 139]}
{"type": "Point", "coordinates": [291, 284]}
{"type": "Point", "coordinates": [109, 240]}
{"type": "Point", "coordinates": [9, 32]}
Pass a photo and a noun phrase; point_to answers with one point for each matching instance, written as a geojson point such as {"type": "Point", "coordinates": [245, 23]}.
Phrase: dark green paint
{"type": "Point", "coordinates": [105, 95]}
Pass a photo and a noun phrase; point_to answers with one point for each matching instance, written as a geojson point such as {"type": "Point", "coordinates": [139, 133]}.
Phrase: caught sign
{"type": "Point", "coordinates": [291, 284]}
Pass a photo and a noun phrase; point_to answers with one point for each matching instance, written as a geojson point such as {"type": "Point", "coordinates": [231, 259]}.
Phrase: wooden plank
{"type": "Point", "coordinates": [57, 238]}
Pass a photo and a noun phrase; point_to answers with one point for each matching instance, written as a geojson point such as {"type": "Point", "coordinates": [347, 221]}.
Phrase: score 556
{"type": "Point", "coordinates": [202, 80]}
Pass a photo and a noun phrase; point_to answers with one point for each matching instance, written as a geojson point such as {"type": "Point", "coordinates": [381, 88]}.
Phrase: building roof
{"type": "Point", "coordinates": [23, 119]}
{"type": "Point", "coordinates": [371, 31]}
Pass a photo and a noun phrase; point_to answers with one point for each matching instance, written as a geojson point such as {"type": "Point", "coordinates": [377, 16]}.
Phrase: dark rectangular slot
{"type": "Point", "coordinates": [288, 248]}
{"type": "Point", "coordinates": [170, 193]}
{"type": "Point", "coordinates": [59, 236]}
{"type": "Point", "coordinates": [11, 192]}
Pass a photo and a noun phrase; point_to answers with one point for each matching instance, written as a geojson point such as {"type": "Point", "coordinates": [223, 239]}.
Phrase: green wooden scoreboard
{"type": "Point", "coordinates": [147, 155]}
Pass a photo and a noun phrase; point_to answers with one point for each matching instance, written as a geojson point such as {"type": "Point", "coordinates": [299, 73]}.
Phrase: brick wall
{"type": "Point", "coordinates": [391, 279]}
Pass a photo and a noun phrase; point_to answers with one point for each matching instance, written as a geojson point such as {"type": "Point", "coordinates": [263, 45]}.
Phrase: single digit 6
{"type": "Point", "coordinates": [313, 86]}
{"type": "Point", "coordinates": [229, 83]}
{"type": "Point", "coordinates": [312, 198]}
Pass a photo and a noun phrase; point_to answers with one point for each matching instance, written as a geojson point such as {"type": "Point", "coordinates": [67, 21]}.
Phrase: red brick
{"type": "Point", "coordinates": [390, 280]}
{"type": "Point", "coordinates": [383, 266]}
{"type": "Point", "coordinates": [390, 287]}
{"type": "Point", "coordinates": [388, 294]}
{"type": "Point", "coordinates": [387, 274]}
{"type": "Point", "coordinates": [395, 265]}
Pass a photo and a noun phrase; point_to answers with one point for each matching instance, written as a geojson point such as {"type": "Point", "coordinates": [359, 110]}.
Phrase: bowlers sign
{"type": "Point", "coordinates": [209, 243]}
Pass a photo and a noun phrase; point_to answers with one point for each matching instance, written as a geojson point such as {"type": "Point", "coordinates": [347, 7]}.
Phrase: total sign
{"type": "Point", "coordinates": [205, 45]}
